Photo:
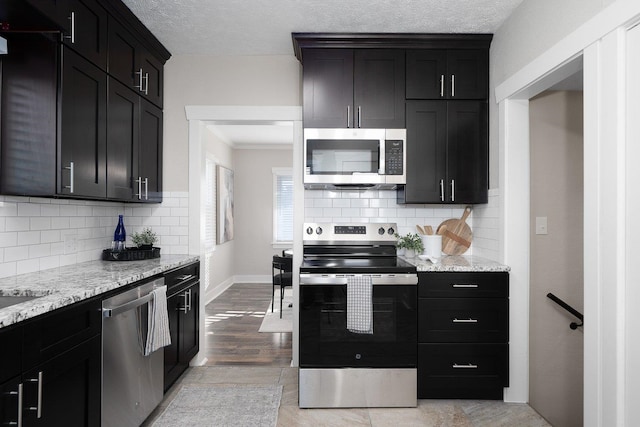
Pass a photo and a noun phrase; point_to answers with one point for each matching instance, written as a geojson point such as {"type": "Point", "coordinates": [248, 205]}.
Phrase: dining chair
{"type": "Point", "coordinates": [281, 269]}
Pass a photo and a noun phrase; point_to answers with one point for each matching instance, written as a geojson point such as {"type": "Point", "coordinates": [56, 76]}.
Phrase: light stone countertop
{"type": "Point", "coordinates": [59, 287]}
{"type": "Point", "coordinates": [458, 263]}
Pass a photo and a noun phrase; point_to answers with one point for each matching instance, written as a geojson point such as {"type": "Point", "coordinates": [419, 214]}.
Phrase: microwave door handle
{"type": "Point", "coordinates": [381, 157]}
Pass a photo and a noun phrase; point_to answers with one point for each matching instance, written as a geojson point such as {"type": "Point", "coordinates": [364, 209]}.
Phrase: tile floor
{"type": "Point", "coordinates": [250, 360]}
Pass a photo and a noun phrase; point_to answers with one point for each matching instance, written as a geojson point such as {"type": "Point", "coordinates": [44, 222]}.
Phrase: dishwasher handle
{"type": "Point", "coordinates": [114, 311]}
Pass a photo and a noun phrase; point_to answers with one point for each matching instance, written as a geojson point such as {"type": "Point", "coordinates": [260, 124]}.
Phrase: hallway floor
{"type": "Point", "coordinates": [239, 354]}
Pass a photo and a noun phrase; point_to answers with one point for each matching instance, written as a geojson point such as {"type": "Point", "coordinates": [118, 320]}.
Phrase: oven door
{"type": "Point", "coordinates": [325, 341]}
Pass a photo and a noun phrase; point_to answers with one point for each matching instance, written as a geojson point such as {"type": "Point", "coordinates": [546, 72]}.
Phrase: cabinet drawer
{"type": "Point", "coordinates": [54, 333]}
{"type": "Point", "coordinates": [469, 285]}
{"type": "Point", "coordinates": [181, 277]}
{"type": "Point", "coordinates": [463, 320]}
{"type": "Point", "coordinates": [470, 371]}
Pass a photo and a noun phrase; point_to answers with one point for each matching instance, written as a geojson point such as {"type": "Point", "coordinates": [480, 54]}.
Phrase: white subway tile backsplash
{"type": "Point", "coordinates": [35, 233]}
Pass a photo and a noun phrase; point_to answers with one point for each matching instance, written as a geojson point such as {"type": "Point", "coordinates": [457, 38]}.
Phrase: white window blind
{"type": "Point", "coordinates": [282, 205]}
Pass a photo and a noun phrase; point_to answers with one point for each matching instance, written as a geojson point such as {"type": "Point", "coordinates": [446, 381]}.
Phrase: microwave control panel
{"type": "Point", "coordinates": [394, 157]}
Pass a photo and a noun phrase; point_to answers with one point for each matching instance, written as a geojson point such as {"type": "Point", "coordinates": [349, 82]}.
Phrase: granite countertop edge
{"type": "Point", "coordinates": [458, 263]}
{"type": "Point", "coordinates": [58, 287]}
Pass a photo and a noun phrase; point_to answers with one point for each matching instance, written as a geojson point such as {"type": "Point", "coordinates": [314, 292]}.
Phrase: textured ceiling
{"type": "Point", "coordinates": [264, 27]}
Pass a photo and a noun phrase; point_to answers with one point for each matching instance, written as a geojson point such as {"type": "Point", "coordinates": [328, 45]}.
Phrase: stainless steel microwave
{"type": "Point", "coordinates": [354, 158]}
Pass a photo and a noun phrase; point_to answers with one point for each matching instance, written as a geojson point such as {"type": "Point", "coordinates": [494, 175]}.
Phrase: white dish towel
{"type": "Point", "coordinates": [158, 335]}
{"type": "Point", "coordinates": [360, 304]}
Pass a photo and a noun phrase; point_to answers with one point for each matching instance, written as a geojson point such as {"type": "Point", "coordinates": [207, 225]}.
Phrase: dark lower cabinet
{"type": "Point", "coordinates": [54, 362]}
{"type": "Point", "coordinates": [463, 335]}
{"type": "Point", "coordinates": [183, 304]}
{"type": "Point", "coordinates": [447, 152]}
{"type": "Point", "coordinates": [65, 391]}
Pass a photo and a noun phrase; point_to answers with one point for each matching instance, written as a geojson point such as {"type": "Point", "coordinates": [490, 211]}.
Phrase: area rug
{"type": "Point", "coordinates": [272, 321]}
{"type": "Point", "coordinates": [223, 405]}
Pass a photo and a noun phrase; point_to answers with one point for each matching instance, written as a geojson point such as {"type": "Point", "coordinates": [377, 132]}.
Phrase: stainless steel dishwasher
{"type": "Point", "coordinates": [132, 383]}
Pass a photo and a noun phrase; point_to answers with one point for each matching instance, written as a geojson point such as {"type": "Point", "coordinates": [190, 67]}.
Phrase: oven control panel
{"type": "Point", "coordinates": [331, 232]}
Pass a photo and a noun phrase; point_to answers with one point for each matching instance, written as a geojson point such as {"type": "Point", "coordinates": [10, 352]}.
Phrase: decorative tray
{"type": "Point", "coordinates": [130, 254]}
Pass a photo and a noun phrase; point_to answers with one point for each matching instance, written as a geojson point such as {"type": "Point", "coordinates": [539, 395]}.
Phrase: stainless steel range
{"type": "Point", "coordinates": [358, 318]}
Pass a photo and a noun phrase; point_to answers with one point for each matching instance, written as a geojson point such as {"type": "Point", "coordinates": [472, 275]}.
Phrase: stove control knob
{"type": "Point", "coordinates": [319, 230]}
{"type": "Point", "coordinates": [391, 231]}
{"type": "Point", "coordinates": [381, 231]}
{"type": "Point", "coordinates": [358, 356]}
{"type": "Point", "coordinates": [309, 230]}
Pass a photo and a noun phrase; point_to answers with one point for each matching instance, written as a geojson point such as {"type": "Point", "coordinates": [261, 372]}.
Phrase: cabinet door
{"type": "Point", "coordinates": [426, 74]}
{"type": "Point", "coordinates": [468, 74]}
{"type": "Point", "coordinates": [467, 152]}
{"type": "Point", "coordinates": [70, 388]}
{"type": "Point", "coordinates": [379, 88]}
{"type": "Point", "coordinates": [327, 86]}
{"type": "Point", "coordinates": [190, 325]}
{"type": "Point", "coordinates": [171, 363]}
{"type": "Point", "coordinates": [124, 131]}
{"type": "Point", "coordinates": [152, 77]}
{"type": "Point", "coordinates": [122, 55]}
{"type": "Point", "coordinates": [83, 134]}
{"type": "Point", "coordinates": [9, 401]}
{"type": "Point", "coordinates": [426, 152]}
{"type": "Point", "coordinates": [88, 32]}
{"type": "Point", "coordinates": [149, 154]}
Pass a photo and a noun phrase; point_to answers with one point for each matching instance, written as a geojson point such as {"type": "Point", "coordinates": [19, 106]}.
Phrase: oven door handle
{"type": "Point", "coordinates": [341, 279]}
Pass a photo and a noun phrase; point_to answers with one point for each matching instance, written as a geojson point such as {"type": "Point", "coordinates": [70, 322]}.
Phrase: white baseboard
{"type": "Point", "coordinates": [214, 291]}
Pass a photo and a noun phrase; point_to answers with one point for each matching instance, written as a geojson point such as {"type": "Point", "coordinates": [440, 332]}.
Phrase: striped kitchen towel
{"type": "Point", "coordinates": [158, 334]}
{"type": "Point", "coordinates": [359, 304]}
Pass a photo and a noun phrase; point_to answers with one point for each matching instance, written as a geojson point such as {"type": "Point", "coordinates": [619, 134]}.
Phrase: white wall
{"type": "Point", "coordinates": [254, 211]}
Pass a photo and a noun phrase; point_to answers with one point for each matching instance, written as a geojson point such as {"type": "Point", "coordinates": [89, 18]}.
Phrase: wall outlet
{"type": "Point", "coordinates": [541, 225]}
{"type": "Point", "coordinates": [70, 244]}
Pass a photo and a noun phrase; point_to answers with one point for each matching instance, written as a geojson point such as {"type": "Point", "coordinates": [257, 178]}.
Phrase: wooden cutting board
{"type": "Point", "coordinates": [457, 236]}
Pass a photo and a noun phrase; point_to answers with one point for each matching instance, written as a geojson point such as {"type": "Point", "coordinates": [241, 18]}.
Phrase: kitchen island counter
{"type": "Point", "coordinates": [58, 287]}
{"type": "Point", "coordinates": [458, 263]}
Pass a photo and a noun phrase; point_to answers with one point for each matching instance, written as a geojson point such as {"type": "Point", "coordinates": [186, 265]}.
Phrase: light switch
{"type": "Point", "coordinates": [541, 225]}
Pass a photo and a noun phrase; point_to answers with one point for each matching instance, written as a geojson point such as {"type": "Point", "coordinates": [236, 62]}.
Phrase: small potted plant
{"type": "Point", "coordinates": [145, 239]}
{"type": "Point", "coordinates": [411, 243]}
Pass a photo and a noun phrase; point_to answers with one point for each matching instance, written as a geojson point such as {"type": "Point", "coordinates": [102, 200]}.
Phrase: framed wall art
{"type": "Point", "coordinates": [225, 204]}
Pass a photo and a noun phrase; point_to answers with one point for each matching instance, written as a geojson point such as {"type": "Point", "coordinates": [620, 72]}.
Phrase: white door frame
{"type": "Point", "coordinates": [606, 365]}
{"type": "Point", "coordinates": [198, 116]}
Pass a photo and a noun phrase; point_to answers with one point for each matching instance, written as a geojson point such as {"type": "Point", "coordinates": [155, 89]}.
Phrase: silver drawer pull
{"type": "Point", "coordinates": [184, 277]}
{"type": "Point", "coordinates": [464, 285]}
{"type": "Point", "coordinates": [469, 320]}
{"type": "Point", "coordinates": [467, 366]}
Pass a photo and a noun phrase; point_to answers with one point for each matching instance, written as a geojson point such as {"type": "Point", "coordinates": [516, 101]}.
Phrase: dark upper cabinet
{"type": "Point", "coordinates": [83, 128]}
{"type": "Point", "coordinates": [149, 155]}
{"type": "Point", "coordinates": [351, 88]}
{"type": "Point", "coordinates": [133, 65]}
{"type": "Point", "coordinates": [123, 124]}
{"type": "Point", "coordinates": [87, 32]}
{"type": "Point", "coordinates": [134, 146]}
{"type": "Point", "coordinates": [447, 74]}
{"type": "Point", "coordinates": [447, 152]}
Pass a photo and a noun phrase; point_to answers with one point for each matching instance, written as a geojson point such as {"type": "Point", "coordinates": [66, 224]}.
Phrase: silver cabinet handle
{"type": "Point", "coordinates": [37, 408]}
{"type": "Point", "coordinates": [453, 190]}
{"type": "Point", "coordinates": [469, 320]}
{"type": "Point", "coordinates": [146, 84]}
{"type": "Point", "coordinates": [442, 190]}
{"type": "Point", "coordinates": [139, 86]}
{"type": "Point", "coordinates": [19, 394]}
{"type": "Point", "coordinates": [464, 285]}
{"type": "Point", "coordinates": [441, 85]}
{"type": "Point", "coordinates": [184, 277]}
{"type": "Point", "coordinates": [72, 37]}
{"type": "Point", "coordinates": [359, 116]}
{"type": "Point", "coordinates": [185, 306]}
{"type": "Point", "coordinates": [139, 194]}
{"type": "Point", "coordinates": [453, 85]}
{"type": "Point", "coordinates": [348, 116]}
{"type": "Point", "coordinates": [189, 304]}
{"type": "Point", "coordinates": [146, 188]}
{"type": "Point", "coordinates": [71, 177]}
{"type": "Point", "coordinates": [467, 366]}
